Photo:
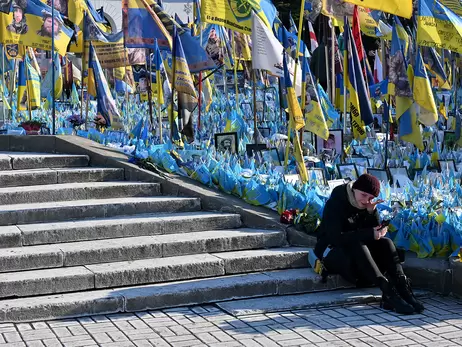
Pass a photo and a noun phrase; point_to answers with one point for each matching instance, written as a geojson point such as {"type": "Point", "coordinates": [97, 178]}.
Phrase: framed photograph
{"type": "Point", "coordinates": [226, 142]}
{"type": "Point", "coordinates": [348, 171]}
{"type": "Point", "coordinates": [271, 155]}
{"type": "Point", "coordinates": [449, 140]}
{"type": "Point", "coordinates": [447, 165]}
{"type": "Point", "coordinates": [381, 174]}
{"type": "Point", "coordinates": [362, 163]}
{"type": "Point", "coordinates": [265, 132]}
{"type": "Point", "coordinates": [319, 174]}
{"type": "Point", "coordinates": [253, 148]}
{"type": "Point", "coordinates": [399, 175]}
{"type": "Point", "coordinates": [335, 141]}
{"type": "Point", "coordinates": [335, 183]}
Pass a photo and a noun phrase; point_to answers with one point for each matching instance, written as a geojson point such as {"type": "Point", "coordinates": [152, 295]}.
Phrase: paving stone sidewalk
{"type": "Point", "coordinates": [356, 325]}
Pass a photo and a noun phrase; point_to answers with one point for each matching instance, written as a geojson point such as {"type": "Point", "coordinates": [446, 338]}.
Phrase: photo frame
{"type": "Point", "coordinates": [319, 173]}
{"type": "Point", "coordinates": [254, 148]}
{"type": "Point", "coordinates": [449, 140]}
{"type": "Point", "coordinates": [362, 163]}
{"type": "Point", "coordinates": [348, 171]}
{"type": "Point", "coordinates": [381, 174]}
{"type": "Point", "coordinates": [447, 165]}
{"type": "Point", "coordinates": [226, 142]}
{"type": "Point", "coordinates": [399, 175]}
{"type": "Point", "coordinates": [272, 155]}
{"type": "Point", "coordinates": [335, 141]}
{"type": "Point", "coordinates": [265, 132]}
{"type": "Point", "coordinates": [363, 151]}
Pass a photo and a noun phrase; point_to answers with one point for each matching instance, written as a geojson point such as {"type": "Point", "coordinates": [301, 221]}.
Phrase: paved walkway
{"type": "Point", "coordinates": [360, 325]}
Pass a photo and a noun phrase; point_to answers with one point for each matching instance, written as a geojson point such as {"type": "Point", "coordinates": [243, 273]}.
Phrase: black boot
{"type": "Point", "coordinates": [403, 285]}
{"type": "Point", "coordinates": [391, 299]}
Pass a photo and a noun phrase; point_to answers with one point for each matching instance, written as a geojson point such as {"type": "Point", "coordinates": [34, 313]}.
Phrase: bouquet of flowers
{"type": "Point", "coordinates": [76, 120]}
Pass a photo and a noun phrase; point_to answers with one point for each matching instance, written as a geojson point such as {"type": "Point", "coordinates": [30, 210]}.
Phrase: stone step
{"type": "Point", "coordinates": [76, 191]}
{"type": "Point", "coordinates": [22, 161]}
{"type": "Point", "coordinates": [133, 248]}
{"type": "Point", "coordinates": [164, 295]}
{"type": "Point", "coordinates": [116, 227]}
{"type": "Point", "coordinates": [17, 178]}
{"type": "Point", "coordinates": [129, 273]}
{"type": "Point", "coordinates": [98, 208]}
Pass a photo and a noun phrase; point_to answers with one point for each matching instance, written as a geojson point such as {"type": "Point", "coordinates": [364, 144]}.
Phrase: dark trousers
{"type": "Point", "coordinates": [365, 262]}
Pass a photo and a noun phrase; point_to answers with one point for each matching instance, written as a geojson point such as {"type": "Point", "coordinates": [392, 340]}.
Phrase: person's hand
{"type": "Point", "coordinates": [371, 206]}
{"type": "Point", "coordinates": [380, 232]}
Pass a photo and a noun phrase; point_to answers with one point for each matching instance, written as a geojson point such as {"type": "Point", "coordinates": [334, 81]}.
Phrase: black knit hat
{"type": "Point", "coordinates": [367, 184]}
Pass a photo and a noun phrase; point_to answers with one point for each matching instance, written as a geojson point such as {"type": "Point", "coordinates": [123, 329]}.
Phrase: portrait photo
{"type": "Point", "coordinates": [347, 171]}
{"type": "Point", "coordinates": [47, 28]}
{"type": "Point", "coordinates": [334, 141]}
{"type": "Point", "coordinates": [447, 165]}
{"type": "Point", "coordinates": [226, 142]}
{"type": "Point", "coordinates": [449, 140]}
{"type": "Point", "coordinates": [399, 176]}
{"type": "Point", "coordinates": [18, 25]}
{"type": "Point", "coordinates": [381, 174]}
{"type": "Point", "coordinates": [254, 148]}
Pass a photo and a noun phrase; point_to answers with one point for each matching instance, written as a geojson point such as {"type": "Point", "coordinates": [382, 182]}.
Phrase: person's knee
{"type": "Point", "coordinates": [387, 244]}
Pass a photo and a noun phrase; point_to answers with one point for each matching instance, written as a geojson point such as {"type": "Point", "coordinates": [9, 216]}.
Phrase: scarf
{"type": "Point", "coordinates": [351, 196]}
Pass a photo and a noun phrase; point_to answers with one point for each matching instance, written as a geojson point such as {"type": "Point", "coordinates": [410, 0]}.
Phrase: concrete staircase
{"type": "Point", "coordinates": [78, 240]}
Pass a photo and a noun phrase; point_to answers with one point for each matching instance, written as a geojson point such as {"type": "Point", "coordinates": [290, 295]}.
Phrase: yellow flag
{"type": "Point", "coordinates": [401, 8]}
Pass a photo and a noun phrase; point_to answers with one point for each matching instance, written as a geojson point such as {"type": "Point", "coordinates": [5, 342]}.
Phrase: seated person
{"type": "Point", "coordinates": [352, 243]}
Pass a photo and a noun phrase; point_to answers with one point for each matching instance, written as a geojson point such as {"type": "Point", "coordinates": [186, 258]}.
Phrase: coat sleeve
{"type": "Point", "coordinates": [334, 216]}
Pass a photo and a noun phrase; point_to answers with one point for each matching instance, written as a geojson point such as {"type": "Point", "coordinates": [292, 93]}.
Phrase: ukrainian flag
{"type": "Point", "coordinates": [296, 118]}
{"type": "Point", "coordinates": [402, 8]}
{"type": "Point", "coordinates": [182, 82]}
{"type": "Point", "coordinates": [409, 128]}
{"type": "Point", "coordinates": [33, 85]}
{"type": "Point", "coordinates": [21, 95]}
{"type": "Point", "coordinates": [423, 93]}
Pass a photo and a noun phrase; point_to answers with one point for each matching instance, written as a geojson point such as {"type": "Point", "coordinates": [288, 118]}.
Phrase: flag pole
{"type": "Point", "coordinates": [254, 80]}
{"type": "Point", "coordinates": [29, 108]}
{"type": "Point", "coordinates": [345, 72]}
{"type": "Point", "coordinates": [13, 83]}
{"type": "Point", "coordinates": [82, 75]}
{"type": "Point", "coordinates": [3, 80]}
{"type": "Point", "coordinates": [148, 67]}
{"type": "Point", "coordinates": [53, 106]}
{"type": "Point", "coordinates": [299, 38]}
{"type": "Point", "coordinates": [173, 87]}
{"type": "Point", "coordinates": [199, 100]}
{"type": "Point", "coordinates": [332, 42]}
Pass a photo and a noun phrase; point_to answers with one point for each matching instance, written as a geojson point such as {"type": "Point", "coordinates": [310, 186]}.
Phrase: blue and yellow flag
{"type": "Point", "coordinates": [142, 26]}
{"type": "Point", "coordinates": [296, 115]}
{"type": "Point", "coordinates": [400, 77]}
{"type": "Point", "coordinates": [438, 26]}
{"type": "Point", "coordinates": [360, 107]}
{"type": "Point", "coordinates": [182, 82]}
{"type": "Point", "coordinates": [31, 25]}
{"type": "Point", "coordinates": [93, 31]}
{"type": "Point", "coordinates": [422, 92]}
{"type": "Point", "coordinates": [106, 105]}
{"type": "Point", "coordinates": [433, 63]}
{"type": "Point", "coordinates": [4, 93]}
{"type": "Point", "coordinates": [22, 90]}
{"type": "Point", "coordinates": [48, 83]}
{"type": "Point", "coordinates": [315, 120]}
{"type": "Point", "coordinates": [402, 8]}
{"type": "Point", "coordinates": [33, 85]}
{"type": "Point", "coordinates": [236, 14]}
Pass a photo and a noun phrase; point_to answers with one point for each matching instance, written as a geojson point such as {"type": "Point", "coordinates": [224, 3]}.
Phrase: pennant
{"type": "Point", "coordinates": [22, 90]}
{"type": "Point", "coordinates": [33, 85]}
